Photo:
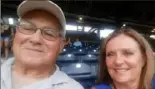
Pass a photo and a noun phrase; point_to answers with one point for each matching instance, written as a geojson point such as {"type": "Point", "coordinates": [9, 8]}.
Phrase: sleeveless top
{"type": "Point", "coordinates": [5, 31]}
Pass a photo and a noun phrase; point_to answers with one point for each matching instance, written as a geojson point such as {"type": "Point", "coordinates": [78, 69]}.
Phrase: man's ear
{"type": "Point", "coordinates": [62, 44]}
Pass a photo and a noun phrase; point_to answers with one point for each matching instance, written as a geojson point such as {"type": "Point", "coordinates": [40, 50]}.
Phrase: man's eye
{"type": "Point", "coordinates": [27, 27]}
{"type": "Point", "coordinates": [49, 33]}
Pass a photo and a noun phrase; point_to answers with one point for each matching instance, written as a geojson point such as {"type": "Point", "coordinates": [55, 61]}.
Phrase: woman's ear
{"type": "Point", "coordinates": [144, 61]}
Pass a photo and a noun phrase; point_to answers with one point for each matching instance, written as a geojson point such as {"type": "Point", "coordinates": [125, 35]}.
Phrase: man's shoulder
{"type": "Point", "coordinates": [6, 64]}
{"type": "Point", "coordinates": [66, 82]}
{"type": "Point", "coordinates": [72, 84]}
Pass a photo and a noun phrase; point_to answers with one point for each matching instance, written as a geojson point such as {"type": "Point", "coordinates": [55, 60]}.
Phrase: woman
{"type": "Point", "coordinates": [153, 83]}
{"type": "Point", "coordinates": [126, 61]}
{"type": "Point", "coordinates": [5, 38]}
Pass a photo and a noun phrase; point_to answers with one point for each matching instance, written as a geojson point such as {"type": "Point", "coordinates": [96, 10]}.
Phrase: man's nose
{"type": "Point", "coordinates": [36, 38]}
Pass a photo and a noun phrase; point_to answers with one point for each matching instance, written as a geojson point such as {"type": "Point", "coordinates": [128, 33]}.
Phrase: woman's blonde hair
{"type": "Point", "coordinates": [146, 50]}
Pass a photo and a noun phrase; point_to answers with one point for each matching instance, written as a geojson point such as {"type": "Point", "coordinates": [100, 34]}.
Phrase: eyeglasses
{"type": "Point", "coordinates": [29, 28]}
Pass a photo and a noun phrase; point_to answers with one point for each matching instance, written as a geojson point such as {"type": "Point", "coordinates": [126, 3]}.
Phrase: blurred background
{"type": "Point", "coordinates": [87, 22]}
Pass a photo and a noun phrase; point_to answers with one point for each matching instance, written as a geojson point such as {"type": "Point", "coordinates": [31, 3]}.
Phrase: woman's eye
{"type": "Point", "coordinates": [109, 54]}
{"type": "Point", "coordinates": [128, 53]}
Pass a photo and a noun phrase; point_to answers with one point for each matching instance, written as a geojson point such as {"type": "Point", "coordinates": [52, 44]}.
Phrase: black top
{"type": "Point", "coordinates": [5, 30]}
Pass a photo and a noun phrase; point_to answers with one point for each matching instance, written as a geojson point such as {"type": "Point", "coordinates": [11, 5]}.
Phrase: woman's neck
{"type": "Point", "coordinates": [129, 85]}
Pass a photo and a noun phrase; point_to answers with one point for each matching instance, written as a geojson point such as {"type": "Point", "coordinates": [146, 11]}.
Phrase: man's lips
{"type": "Point", "coordinates": [32, 49]}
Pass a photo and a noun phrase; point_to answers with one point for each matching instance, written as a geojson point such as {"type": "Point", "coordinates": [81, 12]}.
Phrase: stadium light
{"type": "Point", "coordinates": [152, 36]}
{"type": "Point", "coordinates": [80, 18]}
{"type": "Point", "coordinates": [11, 22]}
{"type": "Point", "coordinates": [78, 65]}
{"type": "Point", "coordinates": [71, 27]}
{"type": "Point", "coordinates": [105, 32]}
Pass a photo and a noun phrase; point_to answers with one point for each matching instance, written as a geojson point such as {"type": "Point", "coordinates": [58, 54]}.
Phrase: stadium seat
{"type": "Point", "coordinates": [79, 51]}
{"type": "Point", "coordinates": [76, 69]}
{"type": "Point", "coordinates": [67, 57]}
{"type": "Point", "coordinates": [89, 57]}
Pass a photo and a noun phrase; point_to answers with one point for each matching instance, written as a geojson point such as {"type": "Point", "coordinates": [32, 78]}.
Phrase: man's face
{"type": "Point", "coordinates": [34, 49]}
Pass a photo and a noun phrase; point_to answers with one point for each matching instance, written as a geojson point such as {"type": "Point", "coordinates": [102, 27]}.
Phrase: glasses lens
{"type": "Point", "coordinates": [50, 34]}
{"type": "Point", "coordinates": [26, 27]}
{"type": "Point", "coordinates": [29, 29]}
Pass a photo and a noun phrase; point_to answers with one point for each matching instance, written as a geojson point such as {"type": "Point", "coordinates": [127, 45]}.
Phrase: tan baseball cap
{"type": "Point", "coordinates": [47, 5]}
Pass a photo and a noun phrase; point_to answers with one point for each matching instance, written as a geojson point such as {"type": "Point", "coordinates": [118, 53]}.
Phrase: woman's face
{"type": "Point", "coordinates": [124, 59]}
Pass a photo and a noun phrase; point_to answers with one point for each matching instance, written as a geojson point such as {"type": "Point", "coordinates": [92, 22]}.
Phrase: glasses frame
{"type": "Point", "coordinates": [41, 30]}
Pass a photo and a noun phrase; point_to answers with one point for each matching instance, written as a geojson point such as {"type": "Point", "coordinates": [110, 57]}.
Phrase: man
{"type": "Point", "coordinates": [6, 32]}
{"type": "Point", "coordinates": [77, 43]}
{"type": "Point", "coordinates": [38, 40]}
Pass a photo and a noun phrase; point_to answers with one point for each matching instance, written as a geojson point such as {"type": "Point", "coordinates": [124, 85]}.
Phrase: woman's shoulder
{"type": "Point", "coordinates": [102, 86]}
{"type": "Point", "coordinates": [108, 86]}
{"type": "Point", "coordinates": [153, 83]}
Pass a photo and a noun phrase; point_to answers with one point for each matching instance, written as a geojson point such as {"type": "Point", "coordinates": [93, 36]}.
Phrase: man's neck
{"type": "Point", "coordinates": [42, 71]}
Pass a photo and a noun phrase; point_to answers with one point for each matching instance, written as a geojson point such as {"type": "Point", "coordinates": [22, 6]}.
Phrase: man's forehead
{"type": "Point", "coordinates": [42, 15]}
{"type": "Point", "coordinates": [38, 12]}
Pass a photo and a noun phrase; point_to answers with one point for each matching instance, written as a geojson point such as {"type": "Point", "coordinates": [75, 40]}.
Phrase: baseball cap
{"type": "Point", "coordinates": [47, 5]}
